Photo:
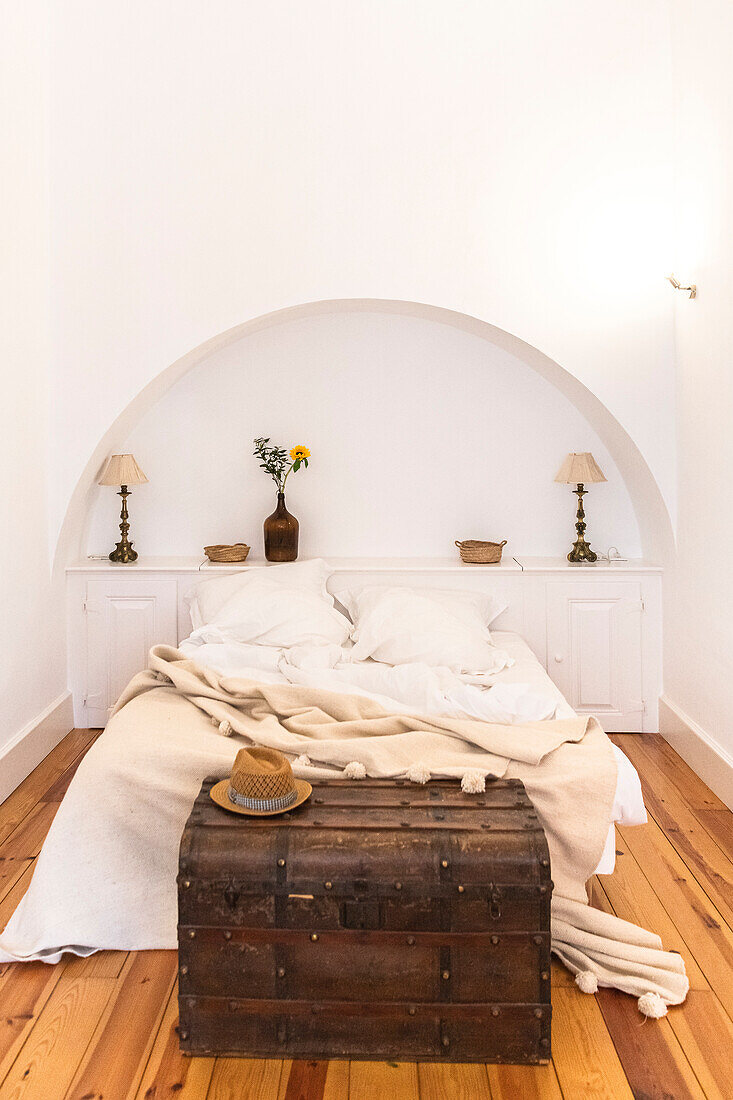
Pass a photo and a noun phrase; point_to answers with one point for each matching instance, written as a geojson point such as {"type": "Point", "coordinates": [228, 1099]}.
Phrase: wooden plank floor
{"type": "Point", "coordinates": [104, 1028]}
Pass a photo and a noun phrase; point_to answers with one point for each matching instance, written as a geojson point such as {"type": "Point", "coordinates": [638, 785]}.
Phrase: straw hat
{"type": "Point", "coordinates": [262, 783]}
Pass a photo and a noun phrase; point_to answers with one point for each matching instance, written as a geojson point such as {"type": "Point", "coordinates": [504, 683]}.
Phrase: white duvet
{"type": "Point", "coordinates": [521, 692]}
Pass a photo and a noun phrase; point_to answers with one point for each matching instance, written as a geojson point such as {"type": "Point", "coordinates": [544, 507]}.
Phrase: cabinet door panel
{"type": "Point", "coordinates": [124, 619]}
{"type": "Point", "coordinates": [594, 648]}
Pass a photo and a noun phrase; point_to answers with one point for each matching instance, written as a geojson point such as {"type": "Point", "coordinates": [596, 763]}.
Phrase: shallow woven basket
{"type": "Point", "coordinates": [480, 553]}
{"type": "Point", "coordinates": [237, 552]}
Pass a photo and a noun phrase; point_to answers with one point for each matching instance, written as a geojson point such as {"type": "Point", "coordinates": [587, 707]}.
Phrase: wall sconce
{"type": "Point", "coordinates": [678, 286]}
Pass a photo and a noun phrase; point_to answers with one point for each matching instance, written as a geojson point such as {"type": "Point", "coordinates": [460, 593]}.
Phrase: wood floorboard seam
{"type": "Point", "coordinates": [92, 1038]}
{"type": "Point", "coordinates": [701, 881]}
{"type": "Point", "coordinates": [678, 843]}
{"type": "Point", "coordinates": [671, 912]}
{"type": "Point", "coordinates": [618, 1051]}
{"type": "Point", "coordinates": [141, 1078]}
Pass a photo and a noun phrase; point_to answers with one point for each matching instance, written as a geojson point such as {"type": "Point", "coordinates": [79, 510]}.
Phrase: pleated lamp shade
{"type": "Point", "coordinates": [122, 470]}
{"type": "Point", "coordinates": [580, 469]}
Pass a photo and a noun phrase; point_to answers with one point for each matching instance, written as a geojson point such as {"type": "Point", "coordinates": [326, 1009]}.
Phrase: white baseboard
{"type": "Point", "coordinates": [706, 756]}
{"type": "Point", "coordinates": [34, 741]}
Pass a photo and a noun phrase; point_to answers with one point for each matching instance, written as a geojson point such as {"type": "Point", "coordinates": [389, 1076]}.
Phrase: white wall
{"type": "Point", "coordinates": [420, 434]}
{"type": "Point", "coordinates": [214, 163]}
{"type": "Point", "coordinates": [32, 661]}
{"type": "Point", "coordinates": [699, 652]}
{"type": "Point", "coordinates": [208, 164]}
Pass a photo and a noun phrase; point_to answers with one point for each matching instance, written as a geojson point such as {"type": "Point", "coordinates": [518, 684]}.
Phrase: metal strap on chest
{"type": "Point", "coordinates": [281, 908]}
{"type": "Point", "coordinates": [445, 875]}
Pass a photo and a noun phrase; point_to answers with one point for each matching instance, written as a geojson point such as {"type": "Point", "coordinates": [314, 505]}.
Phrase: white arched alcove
{"type": "Point", "coordinates": [426, 425]}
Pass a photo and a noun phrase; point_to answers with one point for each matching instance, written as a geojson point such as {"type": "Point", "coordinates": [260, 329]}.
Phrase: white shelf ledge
{"type": "Point", "coordinates": [509, 564]}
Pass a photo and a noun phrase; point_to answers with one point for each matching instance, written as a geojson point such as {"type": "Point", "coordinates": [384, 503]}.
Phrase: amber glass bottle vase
{"type": "Point", "coordinates": [281, 533]}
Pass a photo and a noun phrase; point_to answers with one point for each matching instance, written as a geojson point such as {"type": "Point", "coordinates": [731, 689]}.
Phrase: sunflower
{"type": "Point", "coordinates": [299, 453]}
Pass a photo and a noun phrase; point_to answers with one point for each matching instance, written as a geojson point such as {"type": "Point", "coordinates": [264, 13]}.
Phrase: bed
{"type": "Point", "coordinates": [411, 685]}
{"type": "Point", "coordinates": [547, 701]}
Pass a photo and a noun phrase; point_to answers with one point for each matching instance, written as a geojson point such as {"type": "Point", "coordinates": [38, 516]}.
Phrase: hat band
{"type": "Point", "coordinates": [262, 803]}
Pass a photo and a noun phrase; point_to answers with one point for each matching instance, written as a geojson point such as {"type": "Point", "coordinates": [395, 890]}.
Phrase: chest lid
{"type": "Point", "coordinates": [374, 836]}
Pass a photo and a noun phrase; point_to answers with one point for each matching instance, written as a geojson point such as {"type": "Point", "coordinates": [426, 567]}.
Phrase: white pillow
{"type": "Point", "coordinates": [280, 605]}
{"type": "Point", "coordinates": [208, 598]}
{"type": "Point", "coordinates": [435, 627]}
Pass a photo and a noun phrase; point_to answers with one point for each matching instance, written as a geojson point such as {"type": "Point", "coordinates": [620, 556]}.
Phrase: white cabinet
{"type": "Point", "coordinates": [594, 649]}
{"type": "Point", "coordinates": [123, 617]}
{"type": "Point", "coordinates": [597, 630]}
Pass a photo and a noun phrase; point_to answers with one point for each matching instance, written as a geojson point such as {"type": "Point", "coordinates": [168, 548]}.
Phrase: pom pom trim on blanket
{"type": "Point", "coordinates": [473, 781]}
{"type": "Point", "coordinates": [418, 773]}
{"type": "Point", "coordinates": [355, 770]}
{"type": "Point", "coordinates": [652, 1005]}
{"type": "Point", "coordinates": [586, 981]}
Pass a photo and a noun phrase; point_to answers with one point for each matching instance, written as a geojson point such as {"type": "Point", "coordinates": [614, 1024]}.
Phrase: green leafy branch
{"type": "Point", "coordinates": [277, 462]}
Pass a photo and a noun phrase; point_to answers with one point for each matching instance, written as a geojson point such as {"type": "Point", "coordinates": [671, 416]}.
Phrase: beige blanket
{"type": "Point", "coordinates": [106, 877]}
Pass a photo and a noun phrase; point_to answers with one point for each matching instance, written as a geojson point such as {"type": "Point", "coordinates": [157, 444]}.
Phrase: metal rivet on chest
{"type": "Point", "coordinates": [461, 889]}
{"type": "Point", "coordinates": [444, 863]}
{"type": "Point", "coordinates": [398, 886]}
{"type": "Point", "coordinates": [537, 940]}
{"type": "Point", "coordinates": [184, 970]}
{"type": "Point", "coordinates": [495, 1011]}
{"type": "Point", "coordinates": [192, 934]}
{"type": "Point", "coordinates": [445, 975]}
{"type": "Point", "coordinates": [281, 971]}
{"type": "Point", "coordinates": [186, 884]}
{"type": "Point", "coordinates": [494, 940]}
{"type": "Point", "coordinates": [227, 935]}
{"type": "Point", "coordinates": [314, 937]}
{"type": "Point", "coordinates": [281, 863]}
{"type": "Point", "coordinates": [328, 885]}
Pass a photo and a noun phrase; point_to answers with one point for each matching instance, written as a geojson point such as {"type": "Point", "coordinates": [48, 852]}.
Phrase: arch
{"type": "Point", "coordinates": [653, 519]}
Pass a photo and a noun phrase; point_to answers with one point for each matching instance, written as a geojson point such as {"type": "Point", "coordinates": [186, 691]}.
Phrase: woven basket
{"type": "Point", "coordinates": [237, 552]}
{"type": "Point", "coordinates": [480, 553]}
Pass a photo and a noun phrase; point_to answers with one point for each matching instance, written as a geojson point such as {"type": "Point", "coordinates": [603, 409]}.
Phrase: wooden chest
{"type": "Point", "coordinates": [379, 920]}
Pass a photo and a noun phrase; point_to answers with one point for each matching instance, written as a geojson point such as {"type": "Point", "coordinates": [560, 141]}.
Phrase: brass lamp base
{"type": "Point", "coordinates": [123, 554]}
{"type": "Point", "coordinates": [581, 551]}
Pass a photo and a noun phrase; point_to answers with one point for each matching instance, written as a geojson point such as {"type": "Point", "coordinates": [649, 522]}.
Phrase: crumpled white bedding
{"type": "Point", "coordinates": [520, 692]}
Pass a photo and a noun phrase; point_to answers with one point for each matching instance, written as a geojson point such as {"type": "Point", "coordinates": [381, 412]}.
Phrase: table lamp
{"type": "Point", "coordinates": [580, 469]}
{"type": "Point", "coordinates": [123, 470]}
